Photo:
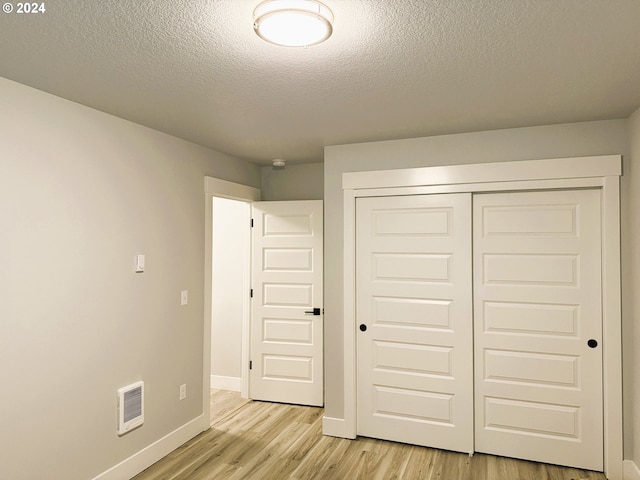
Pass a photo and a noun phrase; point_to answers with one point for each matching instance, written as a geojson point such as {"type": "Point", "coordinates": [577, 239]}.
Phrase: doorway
{"type": "Point", "coordinates": [222, 189]}
{"type": "Point", "coordinates": [287, 327]}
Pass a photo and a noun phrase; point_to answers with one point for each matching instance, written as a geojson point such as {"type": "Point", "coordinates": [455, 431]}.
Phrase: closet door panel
{"type": "Point", "coordinates": [537, 303]}
{"type": "Point", "coordinates": [413, 269]}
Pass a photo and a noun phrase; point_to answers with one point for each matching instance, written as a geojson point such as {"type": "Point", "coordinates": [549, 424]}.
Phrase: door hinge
{"type": "Point", "coordinates": [252, 223]}
{"type": "Point", "coordinates": [251, 293]}
{"type": "Point", "coordinates": [250, 364]}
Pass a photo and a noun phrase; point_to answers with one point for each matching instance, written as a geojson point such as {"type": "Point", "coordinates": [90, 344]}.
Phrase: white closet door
{"type": "Point", "coordinates": [413, 275]}
{"type": "Point", "coordinates": [287, 314]}
{"type": "Point", "coordinates": [537, 302]}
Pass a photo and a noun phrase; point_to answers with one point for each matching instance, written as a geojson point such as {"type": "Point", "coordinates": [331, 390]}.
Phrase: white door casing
{"type": "Point", "coordinates": [413, 275]}
{"type": "Point", "coordinates": [537, 302]}
{"type": "Point", "coordinates": [286, 341]}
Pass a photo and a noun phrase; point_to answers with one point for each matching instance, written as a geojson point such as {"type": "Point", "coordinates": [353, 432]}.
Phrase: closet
{"type": "Point", "coordinates": [480, 322]}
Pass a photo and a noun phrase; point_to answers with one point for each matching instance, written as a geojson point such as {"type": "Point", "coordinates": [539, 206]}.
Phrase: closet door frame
{"type": "Point", "coordinates": [601, 172]}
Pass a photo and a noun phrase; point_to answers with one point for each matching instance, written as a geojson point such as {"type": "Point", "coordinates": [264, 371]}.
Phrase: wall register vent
{"type": "Point", "coordinates": [130, 407]}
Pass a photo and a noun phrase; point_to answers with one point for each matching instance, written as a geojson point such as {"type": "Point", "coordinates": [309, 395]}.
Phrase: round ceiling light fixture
{"type": "Point", "coordinates": [293, 23]}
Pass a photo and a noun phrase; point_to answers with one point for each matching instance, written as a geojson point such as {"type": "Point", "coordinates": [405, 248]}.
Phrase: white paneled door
{"type": "Point", "coordinates": [482, 334]}
{"type": "Point", "coordinates": [287, 310]}
{"type": "Point", "coordinates": [538, 326]}
{"type": "Point", "coordinates": [413, 275]}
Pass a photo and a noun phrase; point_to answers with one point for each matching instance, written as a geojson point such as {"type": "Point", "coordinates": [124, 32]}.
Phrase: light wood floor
{"type": "Point", "coordinates": [257, 440]}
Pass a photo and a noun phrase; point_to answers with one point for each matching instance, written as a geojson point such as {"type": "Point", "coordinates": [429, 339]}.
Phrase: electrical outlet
{"type": "Point", "coordinates": [184, 297]}
{"type": "Point", "coordinates": [183, 391]}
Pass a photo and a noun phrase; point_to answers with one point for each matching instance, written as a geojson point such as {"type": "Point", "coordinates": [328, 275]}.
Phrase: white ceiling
{"type": "Point", "coordinates": [392, 69]}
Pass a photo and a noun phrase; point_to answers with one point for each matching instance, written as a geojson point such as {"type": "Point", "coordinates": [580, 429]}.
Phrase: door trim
{"type": "Point", "coordinates": [215, 187]}
{"type": "Point", "coordinates": [567, 173]}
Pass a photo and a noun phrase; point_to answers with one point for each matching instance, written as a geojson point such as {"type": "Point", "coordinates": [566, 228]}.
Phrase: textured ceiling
{"type": "Point", "coordinates": [392, 69]}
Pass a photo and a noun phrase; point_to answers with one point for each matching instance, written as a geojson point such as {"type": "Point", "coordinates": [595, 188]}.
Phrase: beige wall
{"type": "Point", "coordinates": [632, 333]}
{"type": "Point", "coordinates": [295, 182]}
{"type": "Point", "coordinates": [555, 141]}
{"type": "Point", "coordinates": [82, 192]}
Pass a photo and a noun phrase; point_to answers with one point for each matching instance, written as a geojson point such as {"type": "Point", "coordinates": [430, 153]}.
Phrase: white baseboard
{"type": "Point", "coordinates": [149, 455]}
{"type": "Point", "coordinates": [336, 427]}
{"type": "Point", "coordinates": [631, 470]}
{"type": "Point", "coordinates": [226, 383]}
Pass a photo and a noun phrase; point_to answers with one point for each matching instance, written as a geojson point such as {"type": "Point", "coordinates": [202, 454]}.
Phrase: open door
{"type": "Point", "coordinates": [287, 315]}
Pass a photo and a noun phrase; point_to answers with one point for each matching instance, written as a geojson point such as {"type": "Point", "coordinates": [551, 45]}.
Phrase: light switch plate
{"type": "Point", "coordinates": [139, 263]}
{"type": "Point", "coordinates": [184, 297]}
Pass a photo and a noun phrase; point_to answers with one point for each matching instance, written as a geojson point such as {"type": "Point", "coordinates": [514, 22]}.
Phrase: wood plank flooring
{"type": "Point", "coordinates": [223, 403]}
{"type": "Point", "coordinates": [257, 440]}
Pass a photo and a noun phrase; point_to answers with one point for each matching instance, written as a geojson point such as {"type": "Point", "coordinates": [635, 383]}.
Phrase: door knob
{"type": "Point", "coordinates": [363, 327]}
{"type": "Point", "coordinates": [315, 311]}
{"type": "Point", "coordinates": [593, 343]}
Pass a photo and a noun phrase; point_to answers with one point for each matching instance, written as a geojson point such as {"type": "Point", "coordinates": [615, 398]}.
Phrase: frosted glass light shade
{"type": "Point", "coordinates": [293, 23]}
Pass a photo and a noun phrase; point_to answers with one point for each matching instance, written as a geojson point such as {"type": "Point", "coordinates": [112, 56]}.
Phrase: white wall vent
{"type": "Point", "coordinates": [130, 407]}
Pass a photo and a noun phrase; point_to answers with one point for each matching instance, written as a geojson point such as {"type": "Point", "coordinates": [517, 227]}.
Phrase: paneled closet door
{"type": "Point", "coordinates": [414, 338]}
{"type": "Point", "coordinates": [538, 326]}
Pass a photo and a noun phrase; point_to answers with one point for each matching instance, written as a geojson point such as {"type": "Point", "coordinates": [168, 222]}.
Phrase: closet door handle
{"type": "Point", "coordinates": [592, 342]}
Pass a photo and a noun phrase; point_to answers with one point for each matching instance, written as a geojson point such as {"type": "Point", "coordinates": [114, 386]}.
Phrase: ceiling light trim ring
{"type": "Point", "coordinates": [271, 10]}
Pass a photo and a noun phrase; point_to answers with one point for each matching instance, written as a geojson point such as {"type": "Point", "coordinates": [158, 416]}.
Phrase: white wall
{"type": "Point", "coordinates": [554, 141]}
{"type": "Point", "coordinates": [230, 271]}
{"type": "Point", "coordinates": [82, 192]}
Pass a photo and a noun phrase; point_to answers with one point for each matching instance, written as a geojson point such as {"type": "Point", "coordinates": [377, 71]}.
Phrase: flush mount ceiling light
{"type": "Point", "coordinates": [293, 23]}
